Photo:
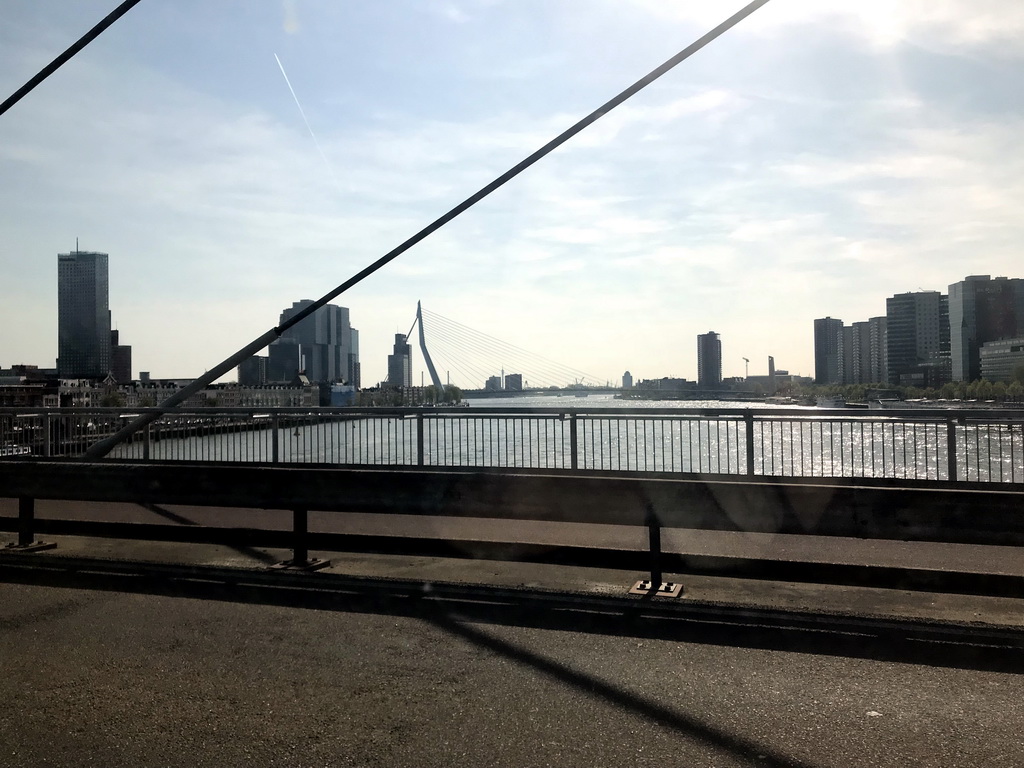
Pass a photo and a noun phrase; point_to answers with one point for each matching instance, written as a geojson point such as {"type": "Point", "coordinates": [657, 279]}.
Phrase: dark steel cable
{"type": "Point", "coordinates": [57, 63]}
{"type": "Point", "coordinates": [102, 447]}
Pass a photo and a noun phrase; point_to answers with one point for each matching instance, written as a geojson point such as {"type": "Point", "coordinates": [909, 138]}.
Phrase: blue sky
{"type": "Point", "coordinates": [815, 160]}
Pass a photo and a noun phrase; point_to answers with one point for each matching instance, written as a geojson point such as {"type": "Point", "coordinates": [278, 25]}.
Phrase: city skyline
{"type": "Point", "coordinates": [814, 159]}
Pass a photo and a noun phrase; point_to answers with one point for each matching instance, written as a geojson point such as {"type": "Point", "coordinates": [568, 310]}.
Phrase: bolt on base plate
{"type": "Point", "coordinates": [665, 589]}
{"type": "Point", "coordinates": [36, 546]}
{"type": "Point", "coordinates": [305, 565]}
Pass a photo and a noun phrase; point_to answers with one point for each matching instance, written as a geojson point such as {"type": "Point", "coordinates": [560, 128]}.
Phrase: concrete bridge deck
{"type": "Point", "coordinates": [425, 661]}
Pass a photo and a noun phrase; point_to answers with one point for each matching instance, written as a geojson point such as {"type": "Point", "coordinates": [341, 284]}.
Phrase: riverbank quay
{"type": "Point", "coordinates": [129, 653]}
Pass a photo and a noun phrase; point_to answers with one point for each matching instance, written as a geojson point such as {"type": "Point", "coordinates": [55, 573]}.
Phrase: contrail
{"type": "Point", "coordinates": [303, 113]}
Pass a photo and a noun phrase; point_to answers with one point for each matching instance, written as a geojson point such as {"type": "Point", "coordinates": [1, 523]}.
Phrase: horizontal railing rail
{"type": "Point", "coordinates": [977, 445]}
{"type": "Point", "coordinates": [876, 509]}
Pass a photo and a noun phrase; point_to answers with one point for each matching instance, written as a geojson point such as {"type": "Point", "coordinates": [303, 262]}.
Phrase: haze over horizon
{"type": "Point", "coordinates": [811, 162]}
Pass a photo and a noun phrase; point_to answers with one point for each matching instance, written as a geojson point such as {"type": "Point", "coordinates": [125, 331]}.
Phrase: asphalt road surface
{"type": "Point", "coordinates": [134, 670]}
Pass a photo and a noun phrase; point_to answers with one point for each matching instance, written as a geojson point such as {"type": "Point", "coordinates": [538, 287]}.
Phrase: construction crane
{"type": "Point", "coordinates": [746, 367]}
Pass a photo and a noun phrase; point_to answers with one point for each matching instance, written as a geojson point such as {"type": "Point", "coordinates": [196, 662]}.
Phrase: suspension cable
{"type": "Point", "coordinates": [57, 63]}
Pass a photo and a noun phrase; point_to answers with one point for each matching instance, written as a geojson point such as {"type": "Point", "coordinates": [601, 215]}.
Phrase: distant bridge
{"type": "Point", "coordinates": [460, 355]}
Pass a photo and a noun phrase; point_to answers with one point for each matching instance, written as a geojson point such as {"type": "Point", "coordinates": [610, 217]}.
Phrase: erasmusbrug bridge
{"type": "Point", "coordinates": [482, 365]}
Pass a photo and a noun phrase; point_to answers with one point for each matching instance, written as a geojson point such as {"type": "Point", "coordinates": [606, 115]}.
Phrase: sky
{"type": "Point", "coordinates": [813, 161]}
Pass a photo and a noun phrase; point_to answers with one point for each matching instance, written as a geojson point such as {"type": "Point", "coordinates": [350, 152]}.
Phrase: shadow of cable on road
{"type": "Point", "coordinates": [686, 724]}
{"type": "Point", "coordinates": [252, 552]}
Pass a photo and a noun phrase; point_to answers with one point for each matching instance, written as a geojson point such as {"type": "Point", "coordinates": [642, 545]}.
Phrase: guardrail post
{"type": "Point", "coordinates": [300, 546]}
{"type": "Point", "coordinates": [27, 528]}
{"type": "Point", "coordinates": [748, 420]}
{"type": "Point", "coordinates": [654, 540]}
{"type": "Point", "coordinates": [420, 458]}
{"type": "Point", "coordinates": [275, 426]}
{"type": "Point", "coordinates": [47, 426]}
{"type": "Point", "coordinates": [573, 434]}
{"type": "Point", "coordinates": [951, 449]}
{"type": "Point", "coordinates": [657, 586]}
{"type": "Point", "coordinates": [147, 437]}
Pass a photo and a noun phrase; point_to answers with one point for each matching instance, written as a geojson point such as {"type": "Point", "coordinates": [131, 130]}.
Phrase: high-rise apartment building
{"type": "Point", "coordinates": [83, 315]}
{"type": "Point", "coordinates": [828, 351]}
{"type": "Point", "coordinates": [709, 360]}
{"type": "Point", "coordinates": [981, 310]}
{"type": "Point", "coordinates": [864, 353]}
{"type": "Point", "coordinates": [917, 331]}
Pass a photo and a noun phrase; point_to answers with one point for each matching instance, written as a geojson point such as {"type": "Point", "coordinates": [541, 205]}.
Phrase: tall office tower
{"type": "Point", "coordinates": [982, 310]}
{"type": "Point", "coordinates": [627, 380]}
{"type": "Point", "coordinates": [400, 363]}
{"type": "Point", "coordinates": [709, 361]}
{"type": "Point", "coordinates": [828, 351]}
{"type": "Point", "coordinates": [354, 372]}
{"type": "Point", "coordinates": [83, 315]}
{"type": "Point", "coordinates": [320, 346]}
{"type": "Point", "coordinates": [120, 359]}
{"type": "Point", "coordinates": [917, 330]}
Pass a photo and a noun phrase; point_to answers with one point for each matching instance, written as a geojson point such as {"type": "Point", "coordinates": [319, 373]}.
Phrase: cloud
{"type": "Point", "coordinates": [945, 24]}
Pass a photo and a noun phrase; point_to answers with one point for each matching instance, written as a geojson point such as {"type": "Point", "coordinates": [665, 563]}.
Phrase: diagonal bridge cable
{"type": "Point", "coordinates": [65, 57]}
{"type": "Point", "coordinates": [103, 447]}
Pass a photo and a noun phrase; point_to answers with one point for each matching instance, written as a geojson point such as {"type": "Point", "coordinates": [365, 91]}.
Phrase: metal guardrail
{"type": "Point", "coordinates": [920, 444]}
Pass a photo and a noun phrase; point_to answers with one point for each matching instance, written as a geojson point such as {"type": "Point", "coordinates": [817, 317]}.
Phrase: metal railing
{"type": "Point", "coordinates": [920, 444]}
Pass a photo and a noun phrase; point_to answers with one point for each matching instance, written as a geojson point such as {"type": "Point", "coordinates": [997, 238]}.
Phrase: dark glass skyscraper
{"type": "Point", "coordinates": [83, 315]}
{"type": "Point", "coordinates": [828, 350]}
{"type": "Point", "coordinates": [709, 360]}
{"type": "Point", "coordinates": [400, 363]}
{"type": "Point", "coordinates": [981, 310]}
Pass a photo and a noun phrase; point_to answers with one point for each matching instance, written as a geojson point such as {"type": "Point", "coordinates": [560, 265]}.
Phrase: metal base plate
{"type": "Point", "coordinates": [307, 565]}
{"type": "Point", "coordinates": [665, 589]}
{"type": "Point", "coordinates": [37, 546]}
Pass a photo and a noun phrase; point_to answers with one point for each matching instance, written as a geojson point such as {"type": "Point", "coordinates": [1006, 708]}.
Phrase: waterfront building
{"type": "Point", "coordinates": [493, 384]}
{"type": "Point", "coordinates": [354, 371]}
{"type": "Point", "coordinates": [709, 361]}
{"type": "Point", "coordinates": [400, 363]}
{"type": "Point", "coordinates": [877, 351]}
{"type": "Point", "coordinates": [828, 351]}
{"type": "Point", "coordinates": [120, 359]}
{"type": "Point", "coordinates": [627, 380]}
{"type": "Point", "coordinates": [83, 315]}
{"type": "Point", "coordinates": [514, 381]}
{"type": "Point", "coordinates": [982, 310]}
{"type": "Point", "coordinates": [324, 347]}
{"type": "Point", "coordinates": [863, 352]}
{"type": "Point", "coordinates": [917, 339]}
{"type": "Point", "coordinates": [253, 372]}
{"type": "Point", "coordinates": [1001, 359]}
{"type": "Point", "coordinates": [320, 346]}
